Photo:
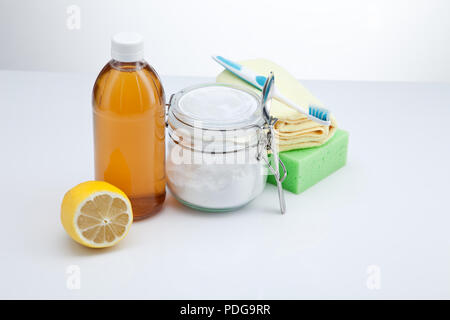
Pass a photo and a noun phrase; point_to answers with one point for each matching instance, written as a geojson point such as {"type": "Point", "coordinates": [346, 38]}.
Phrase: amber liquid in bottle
{"type": "Point", "coordinates": [129, 132]}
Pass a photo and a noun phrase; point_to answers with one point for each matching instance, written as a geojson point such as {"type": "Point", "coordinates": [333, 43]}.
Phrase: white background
{"type": "Point", "coordinates": [388, 207]}
{"type": "Point", "coordinates": [400, 40]}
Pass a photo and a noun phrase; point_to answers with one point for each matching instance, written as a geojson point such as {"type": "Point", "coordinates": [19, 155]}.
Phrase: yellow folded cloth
{"type": "Point", "coordinates": [294, 130]}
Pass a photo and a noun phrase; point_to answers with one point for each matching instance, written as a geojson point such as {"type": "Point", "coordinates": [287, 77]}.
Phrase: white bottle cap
{"type": "Point", "coordinates": [127, 47]}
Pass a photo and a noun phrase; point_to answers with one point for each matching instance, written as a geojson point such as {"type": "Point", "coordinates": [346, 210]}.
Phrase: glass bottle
{"type": "Point", "coordinates": [129, 126]}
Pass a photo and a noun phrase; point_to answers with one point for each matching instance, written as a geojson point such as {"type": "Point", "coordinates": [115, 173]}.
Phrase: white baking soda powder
{"type": "Point", "coordinates": [212, 160]}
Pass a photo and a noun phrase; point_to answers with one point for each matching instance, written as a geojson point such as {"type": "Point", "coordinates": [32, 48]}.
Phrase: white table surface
{"type": "Point", "coordinates": [388, 207]}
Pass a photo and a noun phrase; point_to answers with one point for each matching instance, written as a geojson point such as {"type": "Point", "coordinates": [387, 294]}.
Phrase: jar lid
{"type": "Point", "coordinates": [217, 107]}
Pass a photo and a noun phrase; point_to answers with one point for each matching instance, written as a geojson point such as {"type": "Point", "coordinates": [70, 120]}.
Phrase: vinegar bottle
{"type": "Point", "coordinates": [129, 123]}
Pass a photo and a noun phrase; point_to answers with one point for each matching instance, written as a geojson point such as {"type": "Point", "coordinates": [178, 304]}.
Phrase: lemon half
{"type": "Point", "coordinates": [96, 214]}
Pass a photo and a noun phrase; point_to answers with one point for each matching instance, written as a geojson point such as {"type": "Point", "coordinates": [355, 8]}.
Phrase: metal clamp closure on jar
{"type": "Point", "coordinates": [266, 99]}
{"type": "Point", "coordinates": [264, 143]}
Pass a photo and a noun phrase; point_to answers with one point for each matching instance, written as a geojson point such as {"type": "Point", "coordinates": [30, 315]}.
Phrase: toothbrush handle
{"type": "Point", "coordinates": [278, 96]}
{"type": "Point", "coordinates": [242, 72]}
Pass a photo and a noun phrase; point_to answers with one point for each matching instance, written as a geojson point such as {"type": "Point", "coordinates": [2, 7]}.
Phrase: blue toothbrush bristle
{"type": "Point", "coordinates": [319, 113]}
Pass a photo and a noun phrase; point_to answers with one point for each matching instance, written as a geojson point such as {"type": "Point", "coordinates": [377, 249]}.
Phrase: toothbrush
{"type": "Point", "coordinates": [319, 115]}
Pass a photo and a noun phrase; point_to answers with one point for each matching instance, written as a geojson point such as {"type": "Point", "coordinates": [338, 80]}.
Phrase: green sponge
{"type": "Point", "coordinates": [306, 167]}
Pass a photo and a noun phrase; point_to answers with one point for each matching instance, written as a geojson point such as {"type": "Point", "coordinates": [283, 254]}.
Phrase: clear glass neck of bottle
{"type": "Point", "coordinates": [127, 66]}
